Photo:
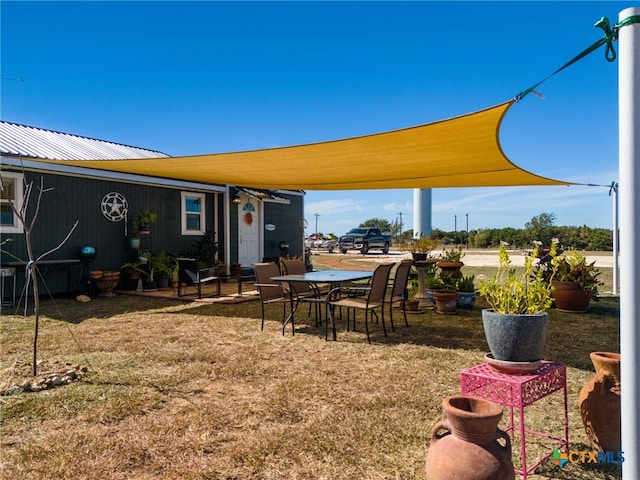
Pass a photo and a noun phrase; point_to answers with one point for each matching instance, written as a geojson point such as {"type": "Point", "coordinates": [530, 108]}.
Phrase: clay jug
{"type": "Point", "coordinates": [468, 445]}
{"type": "Point", "coordinates": [599, 402]}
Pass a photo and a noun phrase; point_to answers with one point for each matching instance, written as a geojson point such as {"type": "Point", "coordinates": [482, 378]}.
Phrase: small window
{"type": "Point", "coordinates": [193, 219]}
{"type": "Point", "coordinates": [12, 191]}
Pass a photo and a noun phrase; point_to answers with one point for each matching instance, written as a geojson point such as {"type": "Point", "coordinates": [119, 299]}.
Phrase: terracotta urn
{"type": "Point", "coordinates": [599, 402]}
{"type": "Point", "coordinates": [468, 445]}
{"type": "Point", "coordinates": [107, 282]}
{"type": "Point", "coordinates": [451, 269]}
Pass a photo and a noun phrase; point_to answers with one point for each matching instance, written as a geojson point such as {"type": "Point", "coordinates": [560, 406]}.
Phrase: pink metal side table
{"type": "Point", "coordinates": [518, 391]}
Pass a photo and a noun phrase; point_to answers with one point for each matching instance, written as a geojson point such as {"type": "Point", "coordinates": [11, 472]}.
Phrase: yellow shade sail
{"type": "Point", "coordinates": [459, 152]}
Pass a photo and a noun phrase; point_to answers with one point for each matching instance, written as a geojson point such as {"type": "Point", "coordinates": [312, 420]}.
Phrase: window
{"type": "Point", "coordinates": [12, 187]}
{"type": "Point", "coordinates": [193, 219]}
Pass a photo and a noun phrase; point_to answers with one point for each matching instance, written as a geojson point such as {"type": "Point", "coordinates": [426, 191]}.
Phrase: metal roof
{"type": "Point", "coordinates": [263, 195]}
{"type": "Point", "coordinates": [31, 142]}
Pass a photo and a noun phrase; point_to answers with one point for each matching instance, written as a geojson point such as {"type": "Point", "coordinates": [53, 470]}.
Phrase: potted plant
{"type": "Point", "coordinates": [206, 250]}
{"type": "Point", "coordinates": [412, 304]}
{"type": "Point", "coordinates": [446, 297]}
{"type": "Point", "coordinates": [164, 265]}
{"type": "Point", "coordinates": [466, 291]}
{"type": "Point", "coordinates": [575, 282]}
{"type": "Point", "coordinates": [421, 247]}
{"type": "Point", "coordinates": [132, 273]}
{"type": "Point", "coordinates": [516, 324]}
{"type": "Point", "coordinates": [450, 262]}
{"type": "Point", "coordinates": [432, 283]}
{"type": "Point", "coordinates": [146, 268]}
{"type": "Point", "coordinates": [141, 221]}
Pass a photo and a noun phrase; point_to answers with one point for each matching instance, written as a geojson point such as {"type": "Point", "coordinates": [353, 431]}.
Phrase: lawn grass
{"type": "Point", "coordinates": [196, 391]}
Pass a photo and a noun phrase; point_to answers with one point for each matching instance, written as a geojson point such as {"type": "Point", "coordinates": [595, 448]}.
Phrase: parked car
{"type": "Point", "coordinates": [365, 239]}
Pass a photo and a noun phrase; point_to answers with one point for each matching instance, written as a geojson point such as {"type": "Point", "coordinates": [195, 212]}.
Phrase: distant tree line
{"type": "Point", "coordinates": [540, 228]}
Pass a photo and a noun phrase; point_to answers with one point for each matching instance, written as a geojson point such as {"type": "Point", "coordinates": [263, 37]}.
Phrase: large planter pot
{"type": "Point", "coordinates": [599, 402]}
{"type": "Point", "coordinates": [149, 285]}
{"type": "Point", "coordinates": [446, 301]}
{"type": "Point", "coordinates": [570, 297]}
{"type": "Point", "coordinates": [468, 445]}
{"type": "Point", "coordinates": [130, 283]}
{"type": "Point", "coordinates": [466, 300]}
{"type": "Point", "coordinates": [451, 269]}
{"type": "Point", "coordinates": [515, 338]}
{"type": "Point", "coordinates": [107, 282]}
{"type": "Point", "coordinates": [412, 305]}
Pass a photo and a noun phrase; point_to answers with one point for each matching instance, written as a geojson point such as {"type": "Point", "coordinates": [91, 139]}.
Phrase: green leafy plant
{"type": "Point", "coordinates": [142, 219]}
{"type": "Point", "coordinates": [206, 250]}
{"type": "Point", "coordinates": [432, 278]}
{"type": "Point", "coordinates": [413, 287]}
{"type": "Point", "coordinates": [573, 267]}
{"type": "Point", "coordinates": [448, 282]}
{"type": "Point", "coordinates": [146, 267]}
{"type": "Point", "coordinates": [436, 279]}
{"type": "Point", "coordinates": [452, 255]}
{"type": "Point", "coordinates": [569, 266]}
{"type": "Point", "coordinates": [131, 268]}
{"type": "Point", "coordinates": [466, 284]}
{"type": "Point", "coordinates": [424, 245]}
{"type": "Point", "coordinates": [163, 264]}
{"type": "Point", "coordinates": [510, 293]}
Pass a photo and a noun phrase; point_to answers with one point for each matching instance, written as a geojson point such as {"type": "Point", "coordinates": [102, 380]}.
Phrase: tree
{"type": "Point", "coordinates": [380, 223]}
{"type": "Point", "coordinates": [33, 260]}
{"type": "Point", "coordinates": [541, 228]}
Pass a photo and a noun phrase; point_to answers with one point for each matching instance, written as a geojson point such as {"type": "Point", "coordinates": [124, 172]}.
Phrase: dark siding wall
{"type": "Point", "coordinates": [75, 198]}
{"type": "Point", "coordinates": [288, 220]}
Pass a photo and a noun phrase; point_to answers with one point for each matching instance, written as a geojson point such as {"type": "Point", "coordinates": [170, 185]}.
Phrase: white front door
{"type": "Point", "coordinates": [249, 215]}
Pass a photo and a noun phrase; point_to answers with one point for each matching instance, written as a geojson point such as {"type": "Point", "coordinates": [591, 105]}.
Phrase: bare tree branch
{"type": "Point", "coordinates": [60, 244]}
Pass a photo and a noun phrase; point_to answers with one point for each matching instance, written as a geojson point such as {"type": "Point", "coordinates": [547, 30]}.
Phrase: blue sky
{"type": "Point", "coordinates": [203, 77]}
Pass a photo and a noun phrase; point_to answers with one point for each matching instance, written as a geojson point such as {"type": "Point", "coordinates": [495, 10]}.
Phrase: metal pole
{"type": "Point", "coordinates": [629, 167]}
{"type": "Point", "coordinates": [614, 193]}
{"type": "Point", "coordinates": [317, 215]}
{"type": "Point", "coordinates": [455, 230]}
{"type": "Point", "coordinates": [467, 239]}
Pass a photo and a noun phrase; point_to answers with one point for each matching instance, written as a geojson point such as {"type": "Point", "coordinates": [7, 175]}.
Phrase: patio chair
{"type": "Point", "coordinates": [306, 292]}
{"type": "Point", "coordinates": [399, 290]}
{"type": "Point", "coordinates": [373, 299]}
{"type": "Point", "coordinates": [273, 292]}
{"type": "Point", "coordinates": [190, 275]}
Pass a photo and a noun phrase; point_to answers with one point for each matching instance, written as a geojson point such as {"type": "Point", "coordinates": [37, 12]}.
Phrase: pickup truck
{"type": "Point", "coordinates": [365, 239]}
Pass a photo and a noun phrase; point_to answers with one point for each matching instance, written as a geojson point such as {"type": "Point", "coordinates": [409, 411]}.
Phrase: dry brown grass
{"type": "Point", "coordinates": [192, 391]}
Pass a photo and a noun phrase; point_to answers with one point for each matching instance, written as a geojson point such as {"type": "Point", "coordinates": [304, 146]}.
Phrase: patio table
{"type": "Point", "coordinates": [332, 277]}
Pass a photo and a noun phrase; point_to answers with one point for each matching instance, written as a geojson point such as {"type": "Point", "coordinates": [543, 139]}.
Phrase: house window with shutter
{"type": "Point", "coordinates": [12, 192]}
{"type": "Point", "coordinates": [193, 210]}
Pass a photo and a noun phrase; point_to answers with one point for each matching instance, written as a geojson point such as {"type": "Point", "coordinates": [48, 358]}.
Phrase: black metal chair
{"type": "Point", "coordinates": [190, 275]}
